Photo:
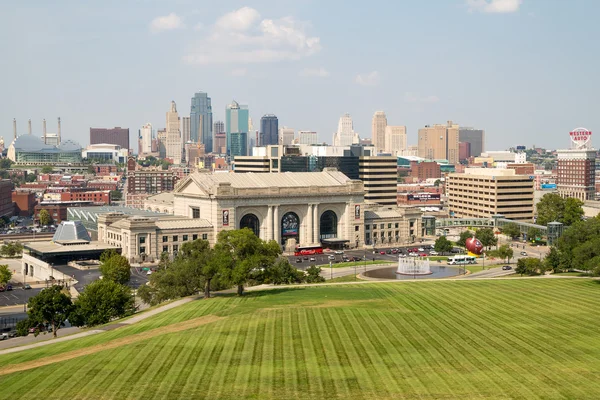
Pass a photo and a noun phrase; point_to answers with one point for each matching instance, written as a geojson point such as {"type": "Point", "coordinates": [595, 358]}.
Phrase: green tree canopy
{"type": "Point", "coordinates": [242, 254]}
{"type": "Point", "coordinates": [512, 230]}
{"type": "Point", "coordinates": [529, 266]}
{"type": "Point", "coordinates": [313, 275]}
{"type": "Point", "coordinates": [552, 207]}
{"type": "Point", "coordinates": [282, 272]}
{"type": "Point", "coordinates": [100, 302]}
{"type": "Point", "coordinates": [573, 211]}
{"type": "Point", "coordinates": [487, 237]}
{"type": "Point", "coordinates": [5, 274]}
{"type": "Point", "coordinates": [116, 195]}
{"type": "Point", "coordinates": [46, 169]}
{"type": "Point", "coordinates": [505, 252]}
{"type": "Point", "coordinates": [533, 233]}
{"type": "Point", "coordinates": [11, 249]}
{"type": "Point", "coordinates": [45, 218]}
{"type": "Point", "coordinates": [442, 245]}
{"type": "Point", "coordinates": [116, 269]}
{"type": "Point", "coordinates": [51, 306]}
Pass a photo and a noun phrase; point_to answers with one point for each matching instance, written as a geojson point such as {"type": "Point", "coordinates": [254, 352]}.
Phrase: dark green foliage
{"type": "Point", "coordinates": [464, 235]}
{"type": "Point", "coordinates": [45, 218]}
{"type": "Point", "coordinates": [5, 274]}
{"type": "Point", "coordinates": [116, 269]}
{"type": "Point", "coordinates": [443, 245]}
{"type": "Point", "coordinates": [51, 306]}
{"type": "Point", "coordinates": [313, 275]}
{"type": "Point", "coordinates": [529, 266]}
{"type": "Point", "coordinates": [282, 272]}
{"type": "Point", "coordinates": [505, 252]}
{"type": "Point", "coordinates": [11, 249]}
{"type": "Point", "coordinates": [487, 237]}
{"type": "Point", "coordinates": [512, 230]}
{"type": "Point", "coordinates": [100, 302]}
{"type": "Point", "coordinates": [116, 195]}
{"type": "Point", "coordinates": [552, 207]}
{"type": "Point", "coordinates": [23, 326]}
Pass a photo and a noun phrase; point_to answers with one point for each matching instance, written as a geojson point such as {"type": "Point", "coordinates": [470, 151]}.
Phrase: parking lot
{"type": "Point", "coordinates": [17, 296]}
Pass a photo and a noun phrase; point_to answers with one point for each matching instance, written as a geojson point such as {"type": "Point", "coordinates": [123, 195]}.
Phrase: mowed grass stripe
{"type": "Point", "coordinates": [267, 365]}
{"type": "Point", "coordinates": [320, 373]}
{"type": "Point", "coordinates": [243, 375]}
{"type": "Point", "coordinates": [294, 368]}
{"type": "Point", "coordinates": [229, 370]}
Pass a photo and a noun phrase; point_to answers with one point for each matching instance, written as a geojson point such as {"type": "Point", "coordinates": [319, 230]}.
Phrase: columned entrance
{"type": "Point", "coordinates": [290, 227]}
{"type": "Point", "coordinates": [251, 222]}
{"type": "Point", "coordinates": [328, 225]}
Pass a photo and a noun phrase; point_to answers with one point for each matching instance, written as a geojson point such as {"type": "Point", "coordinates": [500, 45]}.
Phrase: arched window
{"type": "Point", "coordinates": [290, 227]}
{"type": "Point", "coordinates": [251, 222]}
{"type": "Point", "coordinates": [328, 225]}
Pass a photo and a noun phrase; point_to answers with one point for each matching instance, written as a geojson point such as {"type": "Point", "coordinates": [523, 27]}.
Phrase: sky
{"type": "Point", "coordinates": [523, 70]}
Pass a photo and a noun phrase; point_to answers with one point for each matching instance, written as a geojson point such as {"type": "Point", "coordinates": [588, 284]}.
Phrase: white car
{"type": "Point", "coordinates": [339, 252]}
{"type": "Point", "coordinates": [421, 249]}
{"type": "Point", "coordinates": [402, 255]}
{"type": "Point", "coordinates": [433, 253]}
{"type": "Point", "coordinates": [331, 257]}
{"type": "Point", "coordinates": [414, 254]}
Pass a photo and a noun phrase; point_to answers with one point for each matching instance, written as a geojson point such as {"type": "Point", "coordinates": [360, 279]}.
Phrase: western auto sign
{"type": "Point", "coordinates": [580, 137]}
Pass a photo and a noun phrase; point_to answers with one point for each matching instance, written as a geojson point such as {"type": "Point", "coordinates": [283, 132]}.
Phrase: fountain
{"type": "Point", "coordinates": [413, 266]}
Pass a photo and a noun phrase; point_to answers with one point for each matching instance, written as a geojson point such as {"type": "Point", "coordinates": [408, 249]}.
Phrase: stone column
{"type": "Point", "coordinates": [276, 224]}
{"type": "Point", "coordinates": [316, 223]}
{"type": "Point", "coordinates": [269, 222]}
{"type": "Point", "coordinates": [309, 224]}
{"type": "Point", "coordinates": [347, 229]}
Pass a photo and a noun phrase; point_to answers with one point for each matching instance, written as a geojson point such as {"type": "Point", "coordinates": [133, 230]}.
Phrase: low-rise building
{"type": "Point", "coordinates": [392, 227]}
{"type": "Point", "coordinates": [24, 202]}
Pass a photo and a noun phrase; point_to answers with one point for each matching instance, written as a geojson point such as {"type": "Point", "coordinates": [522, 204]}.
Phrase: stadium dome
{"type": "Point", "coordinates": [69, 145]}
{"type": "Point", "coordinates": [30, 143]}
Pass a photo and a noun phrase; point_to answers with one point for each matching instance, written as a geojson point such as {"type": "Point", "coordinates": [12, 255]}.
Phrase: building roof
{"type": "Point", "coordinates": [51, 248]}
{"type": "Point", "coordinates": [34, 144]}
{"type": "Point", "coordinates": [182, 223]}
{"type": "Point", "coordinates": [252, 180]}
{"type": "Point", "coordinates": [161, 198]}
{"type": "Point", "coordinates": [382, 213]}
{"type": "Point", "coordinates": [71, 231]}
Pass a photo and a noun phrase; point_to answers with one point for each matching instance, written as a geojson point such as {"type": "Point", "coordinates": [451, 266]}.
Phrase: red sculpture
{"type": "Point", "coordinates": [474, 246]}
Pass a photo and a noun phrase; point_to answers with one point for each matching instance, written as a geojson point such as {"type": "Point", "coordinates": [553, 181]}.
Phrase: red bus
{"type": "Point", "coordinates": [308, 250]}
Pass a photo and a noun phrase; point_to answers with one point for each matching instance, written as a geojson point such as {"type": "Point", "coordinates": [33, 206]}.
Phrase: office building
{"type": "Point", "coordinates": [380, 177]}
{"type": "Point", "coordinates": [345, 135]}
{"type": "Point", "coordinates": [286, 136]}
{"type": "Point", "coordinates": [118, 136]}
{"type": "Point", "coordinates": [105, 153]}
{"type": "Point", "coordinates": [219, 127]}
{"type": "Point", "coordinates": [146, 139]}
{"type": "Point", "coordinates": [395, 140]}
{"type": "Point", "coordinates": [239, 144]}
{"type": "Point", "coordinates": [144, 182]}
{"type": "Point", "coordinates": [575, 173]}
{"type": "Point", "coordinates": [475, 138]}
{"type": "Point", "coordinates": [201, 120]}
{"type": "Point", "coordinates": [439, 142]}
{"type": "Point", "coordinates": [173, 137]}
{"type": "Point", "coordinates": [185, 129]}
{"type": "Point", "coordinates": [464, 150]}
{"type": "Point", "coordinates": [236, 121]}
{"type": "Point", "coordinates": [307, 137]}
{"type": "Point", "coordinates": [378, 125]}
{"type": "Point", "coordinates": [161, 141]}
{"type": "Point", "coordinates": [6, 198]}
{"type": "Point", "coordinates": [269, 130]}
{"type": "Point", "coordinates": [484, 192]}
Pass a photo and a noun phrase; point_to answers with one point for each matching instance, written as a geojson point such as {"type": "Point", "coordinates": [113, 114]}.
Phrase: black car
{"type": "Point", "coordinates": [9, 287]}
{"type": "Point", "coordinates": [506, 268]}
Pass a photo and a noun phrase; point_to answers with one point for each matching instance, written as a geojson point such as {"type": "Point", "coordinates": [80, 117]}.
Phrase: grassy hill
{"type": "Point", "coordinates": [447, 339]}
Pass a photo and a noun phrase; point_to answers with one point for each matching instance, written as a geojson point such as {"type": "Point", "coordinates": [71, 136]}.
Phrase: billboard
{"type": "Point", "coordinates": [423, 196]}
{"type": "Point", "coordinates": [548, 186]}
{"type": "Point", "coordinates": [290, 225]}
{"type": "Point", "coordinates": [225, 217]}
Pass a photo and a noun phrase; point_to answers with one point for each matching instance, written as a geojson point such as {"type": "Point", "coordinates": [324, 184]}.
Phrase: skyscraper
{"type": "Point", "coordinates": [118, 135]}
{"type": "Point", "coordinates": [236, 121]}
{"type": "Point", "coordinates": [201, 121]}
{"type": "Point", "coordinates": [239, 144]}
{"type": "Point", "coordinates": [307, 137]}
{"type": "Point", "coordinates": [220, 143]}
{"type": "Point", "coordinates": [286, 135]}
{"type": "Point", "coordinates": [173, 140]}
{"type": "Point", "coordinates": [378, 125]}
{"type": "Point", "coordinates": [269, 130]}
{"type": "Point", "coordinates": [439, 142]}
{"type": "Point", "coordinates": [475, 137]}
{"type": "Point", "coordinates": [146, 138]}
{"type": "Point", "coordinates": [345, 135]}
{"type": "Point", "coordinates": [185, 129]}
{"type": "Point", "coordinates": [395, 139]}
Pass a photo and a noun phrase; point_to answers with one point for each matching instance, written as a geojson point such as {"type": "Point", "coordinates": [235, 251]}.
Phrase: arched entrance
{"type": "Point", "coordinates": [328, 225]}
{"type": "Point", "coordinates": [251, 222]}
{"type": "Point", "coordinates": [290, 227]}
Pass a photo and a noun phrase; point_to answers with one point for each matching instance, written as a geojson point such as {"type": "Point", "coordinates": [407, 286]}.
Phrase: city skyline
{"type": "Point", "coordinates": [513, 78]}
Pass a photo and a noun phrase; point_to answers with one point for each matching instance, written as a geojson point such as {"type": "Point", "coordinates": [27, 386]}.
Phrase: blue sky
{"type": "Point", "coordinates": [524, 70]}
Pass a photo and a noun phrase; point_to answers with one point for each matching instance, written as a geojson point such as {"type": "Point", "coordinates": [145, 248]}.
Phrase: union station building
{"type": "Point", "coordinates": [293, 208]}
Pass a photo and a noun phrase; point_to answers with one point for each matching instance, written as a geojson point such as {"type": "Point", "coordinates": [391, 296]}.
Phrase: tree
{"type": "Point", "coordinates": [464, 235]}
{"type": "Point", "coordinates": [243, 255]}
{"type": "Point", "coordinates": [46, 169]}
{"type": "Point", "coordinates": [313, 275]}
{"type": "Point", "coordinates": [533, 233]}
{"type": "Point", "coordinates": [553, 261]}
{"type": "Point", "coordinates": [198, 258]}
{"type": "Point", "coordinates": [487, 237]}
{"type": "Point", "coordinates": [116, 195]}
{"type": "Point", "coordinates": [23, 326]}
{"type": "Point", "coordinates": [11, 249]}
{"type": "Point", "coordinates": [51, 306]}
{"type": "Point", "coordinates": [116, 269]}
{"type": "Point", "coordinates": [442, 245]}
{"type": "Point", "coordinates": [505, 252]}
{"type": "Point", "coordinates": [511, 230]}
{"type": "Point", "coordinates": [5, 163]}
{"type": "Point", "coordinates": [529, 266]}
{"type": "Point", "coordinates": [5, 274]}
{"type": "Point", "coordinates": [282, 272]}
{"type": "Point", "coordinates": [45, 218]}
{"type": "Point", "coordinates": [437, 183]}
{"type": "Point", "coordinates": [100, 302]}
{"type": "Point", "coordinates": [106, 254]}
{"type": "Point", "coordinates": [573, 211]}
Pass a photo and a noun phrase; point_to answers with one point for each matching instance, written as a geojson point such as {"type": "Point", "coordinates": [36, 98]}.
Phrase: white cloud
{"type": "Point", "coordinates": [166, 23]}
{"type": "Point", "coordinates": [494, 6]}
{"type": "Point", "coordinates": [239, 72]}
{"type": "Point", "coordinates": [370, 79]}
{"type": "Point", "coordinates": [241, 37]}
{"type": "Point", "coordinates": [318, 72]}
{"type": "Point", "coordinates": [415, 98]}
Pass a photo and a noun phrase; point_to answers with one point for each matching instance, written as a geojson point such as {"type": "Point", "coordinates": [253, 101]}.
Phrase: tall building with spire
{"type": "Point", "coordinates": [236, 122]}
{"type": "Point", "coordinates": [173, 143]}
{"type": "Point", "coordinates": [201, 121]}
{"type": "Point", "coordinates": [378, 125]}
{"type": "Point", "coordinates": [345, 135]}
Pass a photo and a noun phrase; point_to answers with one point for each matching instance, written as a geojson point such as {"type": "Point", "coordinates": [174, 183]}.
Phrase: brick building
{"type": "Point", "coordinates": [24, 202]}
{"type": "Point", "coordinates": [522, 169]}
{"type": "Point", "coordinates": [96, 196]}
{"type": "Point", "coordinates": [57, 210]}
{"type": "Point", "coordinates": [118, 136]}
{"type": "Point", "coordinates": [424, 170]}
{"type": "Point", "coordinates": [105, 169]}
{"type": "Point", "coordinates": [144, 182]}
{"type": "Point", "coordinates": [6, 203]}
{"type": "Point", "coordinates": [102, 185]}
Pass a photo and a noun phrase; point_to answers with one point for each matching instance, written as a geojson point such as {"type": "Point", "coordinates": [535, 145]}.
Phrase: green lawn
{"type": "Point", "coordinates": [517, 339]}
